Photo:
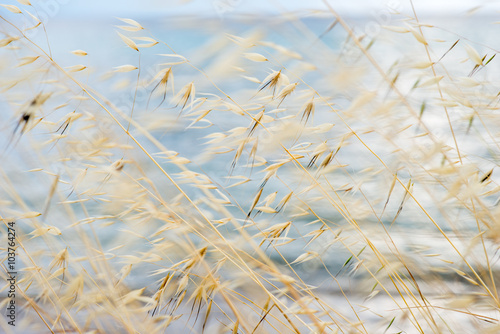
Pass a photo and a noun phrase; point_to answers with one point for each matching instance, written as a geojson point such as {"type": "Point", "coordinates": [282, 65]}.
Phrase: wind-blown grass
{"type": "Point", "coordinates": [253, 187]}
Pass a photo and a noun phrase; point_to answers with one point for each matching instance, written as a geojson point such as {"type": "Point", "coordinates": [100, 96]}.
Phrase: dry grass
{"type": "Point", "coordinates": [252, 187]}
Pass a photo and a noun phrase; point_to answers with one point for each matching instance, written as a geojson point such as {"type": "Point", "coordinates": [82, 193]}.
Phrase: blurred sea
{"type": "Point", "coordinates": [205, 43]}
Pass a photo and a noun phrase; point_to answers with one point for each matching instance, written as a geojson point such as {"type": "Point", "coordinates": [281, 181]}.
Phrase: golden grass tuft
{"type": "Point", "coordinates": [342, 182]}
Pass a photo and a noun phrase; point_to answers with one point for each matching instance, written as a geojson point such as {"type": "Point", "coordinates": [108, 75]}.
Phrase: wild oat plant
{"type": "Point", "coordinates": [310, 182]}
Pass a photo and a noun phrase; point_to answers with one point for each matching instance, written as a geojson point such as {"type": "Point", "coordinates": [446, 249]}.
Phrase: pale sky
{"type": "Point", "coordinates": [134, 8]}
